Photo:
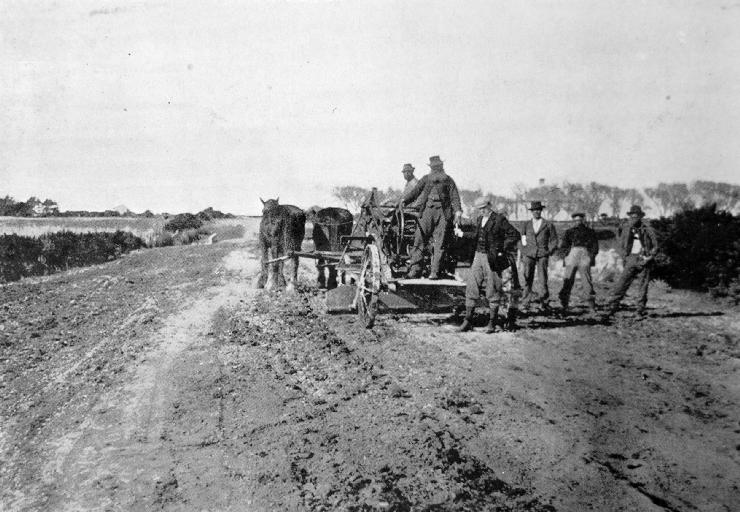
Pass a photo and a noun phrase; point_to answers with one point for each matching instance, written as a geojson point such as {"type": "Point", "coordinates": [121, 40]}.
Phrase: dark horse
{"type": "Point", "coordinates": [281, 231]}
{"type": "Point", "coordinates": [329, 225]}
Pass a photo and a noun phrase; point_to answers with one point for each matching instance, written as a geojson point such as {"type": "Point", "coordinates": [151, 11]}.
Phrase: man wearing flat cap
{"type": "Point", "coordinates": [581, 245]}
{"type": "Point", "coordinates": [638, 246]}
{"type": "Point", "coordinates": [438, 201]}
{"type": "Point", "coordinates": [539, 242]}
{"type": "Point", "coordinates": [495, 239]}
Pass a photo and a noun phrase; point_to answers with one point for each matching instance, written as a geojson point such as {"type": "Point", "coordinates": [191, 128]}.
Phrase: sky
{"type": "Point", "coordinates": [167, 106]}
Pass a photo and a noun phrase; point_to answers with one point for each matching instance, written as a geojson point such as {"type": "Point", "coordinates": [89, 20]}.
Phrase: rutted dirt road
{"type": "Point", "coordinates": [164, 381]}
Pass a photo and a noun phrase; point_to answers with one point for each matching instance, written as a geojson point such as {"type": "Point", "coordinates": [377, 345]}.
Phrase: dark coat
{"type": "Point", "coordinates": [647, 238]}
{"type": "Point", "coordinates": [435, 184]}
{"type": "Point", "coordinates": [542, 244]}
{"type": "Point", "coordinates": [499, 239]}
{"type": "Point", "coordinates": [580, 236]}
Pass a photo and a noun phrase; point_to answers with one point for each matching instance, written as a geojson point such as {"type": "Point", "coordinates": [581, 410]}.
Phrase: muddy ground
{"type": "Point", "coordinates": [165, 381]}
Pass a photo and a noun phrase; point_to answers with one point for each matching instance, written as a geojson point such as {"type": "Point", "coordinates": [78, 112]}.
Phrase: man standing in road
{"type": "Point", "coordinates": [581, 246]}
{"type": "Point", "coordinates": [439, 206]}
{"type": "Point", "coordinates": [539, 242]}
{"type": "Point", "coordinates": [638, 245]}
{"type": "Point", "coordinates": [495, 238]}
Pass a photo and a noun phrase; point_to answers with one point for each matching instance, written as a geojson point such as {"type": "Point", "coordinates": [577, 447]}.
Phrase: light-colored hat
{"type": "Point", "coordinates": [482, 202]}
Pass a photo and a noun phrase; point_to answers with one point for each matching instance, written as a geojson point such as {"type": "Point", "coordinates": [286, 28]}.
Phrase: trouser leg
{"type": "Point", "coordinates": [440, 240]}
{"type": "Point", "coordinates": [542, 264]}
{"type": "Point", "coordinates": [589, 294]}
{"type": "Point", "coordinates": [568, 280]}
{"type": "Point", "coordinates": [643, 288]}
{"type": "Point", "coordinates": [528, 266]}
{"type": "Point", "coordinates": [476, 277]}
{"type": "Point", "coordinates": [631, 269]}
{"type": "Point", "coordinates": [421, 237]}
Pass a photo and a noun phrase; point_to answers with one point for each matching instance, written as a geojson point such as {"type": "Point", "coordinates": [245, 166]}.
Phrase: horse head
{"type": "Point", "coordinates": [270, 204]}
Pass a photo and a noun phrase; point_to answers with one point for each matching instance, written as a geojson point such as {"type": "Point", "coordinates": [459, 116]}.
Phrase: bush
{"type": "Point", "coordinates": [22, 256]}
{"type": "Point", "coordinates": [183, 221]}
{"type": "Point", "coordinates": [700, 249]}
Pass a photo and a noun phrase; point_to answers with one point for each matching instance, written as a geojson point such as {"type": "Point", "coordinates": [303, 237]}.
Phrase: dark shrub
{"type": "Point", "coordinates": [22, 256]}
{"type": "Point", "coordinates": [183, 221]}
{"type": "Point", "coordinates": [700, 248]}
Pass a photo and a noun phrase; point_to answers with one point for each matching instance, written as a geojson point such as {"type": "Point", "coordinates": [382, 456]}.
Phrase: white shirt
{"type": "Point", "coordinates": [483, 220]}
{"type": "Point", "coordinates": [537, 224]}
{"type": "Point", "coordinates": [636, 245]}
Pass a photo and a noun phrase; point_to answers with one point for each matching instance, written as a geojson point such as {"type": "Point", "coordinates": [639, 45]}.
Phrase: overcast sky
{"type": "Point", "coordinates": [170, 106]}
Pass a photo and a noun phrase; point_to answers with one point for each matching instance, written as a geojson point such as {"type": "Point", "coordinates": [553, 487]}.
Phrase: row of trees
{"type": "Point", "coordinates": [591, 198]}
{"type": "Point", "coordinates": [34, 207]}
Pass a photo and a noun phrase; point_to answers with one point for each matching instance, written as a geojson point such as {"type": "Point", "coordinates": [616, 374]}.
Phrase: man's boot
{"type": "Point", "coordinates": [511, 320]}
{"type": "Point", "coordinates": [467, 324]}
{"type": "Point", "coordinates": [493, 321]}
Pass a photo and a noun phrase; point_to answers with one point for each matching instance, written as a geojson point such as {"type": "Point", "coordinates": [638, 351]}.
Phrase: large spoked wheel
{"type": "Point", "coordinates": [368, 286]}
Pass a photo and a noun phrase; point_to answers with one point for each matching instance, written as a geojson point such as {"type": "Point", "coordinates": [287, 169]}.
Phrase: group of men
{"type": "Point", "coordinates": [496, 242]}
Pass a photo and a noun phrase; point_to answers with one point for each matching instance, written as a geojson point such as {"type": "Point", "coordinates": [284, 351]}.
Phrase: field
{"type": "Point", "coordinates": [148, 229]}
{"type": "Point", "coordinates": [145, 228]}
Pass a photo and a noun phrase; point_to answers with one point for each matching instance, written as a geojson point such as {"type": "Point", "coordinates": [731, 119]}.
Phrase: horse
{"type": "Point", "coordinates": [281, 231]}
{"type": "Point", "coordinates": [329, 225]}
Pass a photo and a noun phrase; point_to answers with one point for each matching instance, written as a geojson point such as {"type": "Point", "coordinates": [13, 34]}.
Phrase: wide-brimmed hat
{"type": "Point", "coordinates": [636, 210]}
{"type": "Point", "coordinates": [435, 161]}
{"type": "Point", "coordinates": [482, 202]}
{"type": "Point", "coordinates": [408, 167]}
{"type": "Point", "coordinates": [536, 205]}
{"type": "Point", "coordinates": [578, 214]}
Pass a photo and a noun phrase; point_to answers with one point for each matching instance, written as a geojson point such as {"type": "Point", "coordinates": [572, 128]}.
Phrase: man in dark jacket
{"type": "Point", "coordinates": [495, 240]}
{"type": "Point", "coordinates": [638, 246]}
{"type": "Point", "coordinates": [439, 206]}
{"type": "Point", "coordinates": [539, 242]}
{"type": "Point", "coordinates": [580, 245]}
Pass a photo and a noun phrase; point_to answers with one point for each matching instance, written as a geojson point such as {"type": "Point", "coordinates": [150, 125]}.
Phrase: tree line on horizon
{"type": "Point", "coordinates": [34, 207]}
{"type": "Point", "coordinates": [594, 199]}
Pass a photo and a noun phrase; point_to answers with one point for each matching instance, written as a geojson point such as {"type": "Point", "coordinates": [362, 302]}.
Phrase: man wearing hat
{"type": "Point", "coordinates": [539, 242]}
{"type": "Point", "coordinates": [638, 246]}
{"type": "Point", "coordinates": [581, 246]}
{"type": "Point", "coordinates": [438, 201]}
{"type": "Point", "coordinates": [495, 239]}
{"type": "Point", "coordinates": [408, 175]}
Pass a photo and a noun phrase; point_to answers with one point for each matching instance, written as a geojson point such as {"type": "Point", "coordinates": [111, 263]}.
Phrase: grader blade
{"type": "Point", "coordinates": [413, 300]}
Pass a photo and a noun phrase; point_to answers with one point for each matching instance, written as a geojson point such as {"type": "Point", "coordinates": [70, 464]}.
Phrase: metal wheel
{"type": "Point", "coordinates": [368, 286]}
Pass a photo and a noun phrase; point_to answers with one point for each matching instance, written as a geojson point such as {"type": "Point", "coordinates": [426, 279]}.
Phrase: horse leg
{"type": "Point", "coordinates": [272, 270]}
{"type": "Point", "coordinates": [292, 274]}
{"type": "Point", "coordinates": [321, 276]}
{"type": "Point", "coordinates": [264, 271]}
{"type": "Point", "coordinates": [332, 283]}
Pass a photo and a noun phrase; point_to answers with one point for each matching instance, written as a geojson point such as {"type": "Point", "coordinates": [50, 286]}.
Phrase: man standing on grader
{"type": "Point", "coordinates": [439, 210]}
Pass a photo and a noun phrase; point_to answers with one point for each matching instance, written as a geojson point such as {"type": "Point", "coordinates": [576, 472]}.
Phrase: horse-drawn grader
{"type": "Point", "coordinates": [373, 260]}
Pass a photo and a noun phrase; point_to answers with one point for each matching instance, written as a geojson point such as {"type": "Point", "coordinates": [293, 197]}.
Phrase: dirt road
{"type": "Point", "coordinates": [164, 381]}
